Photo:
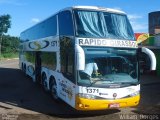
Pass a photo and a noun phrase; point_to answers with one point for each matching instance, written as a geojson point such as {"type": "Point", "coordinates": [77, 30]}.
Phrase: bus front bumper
{"type": "Point", "coordinates": [97, 104]}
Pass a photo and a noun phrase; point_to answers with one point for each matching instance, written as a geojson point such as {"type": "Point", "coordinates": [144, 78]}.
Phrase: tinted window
{"type": "Point", "coordinates": [67, 58]}
{"type": "Point", "coordinates": [51, 26]}
{"type": "Point", "coordinates": [49, 60]}
{"type": "Point", "coordinates": [65, 23]}
{"type": "Point", "coordinates": [96, 24]}
{"type": "Point", "coordinates": [45, 29]}
{"type": "Point", "coordinates": [159, 21]}
{"type": "Point", "coordinates": [30, 56]}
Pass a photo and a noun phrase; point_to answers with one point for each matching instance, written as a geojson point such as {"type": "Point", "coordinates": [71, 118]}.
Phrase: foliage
{"type": "Point", "coordinates": [5, 23]}
{"type": "Point", "coordinates": [10, 47]}
{"type": "Point", "coordinates": [10, 44]}
{"type": "Point", "coordinates": [10, 55]}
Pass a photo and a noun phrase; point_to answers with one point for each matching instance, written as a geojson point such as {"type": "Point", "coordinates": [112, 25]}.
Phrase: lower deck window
{"type": "Point", "coordinates": [49, 60]}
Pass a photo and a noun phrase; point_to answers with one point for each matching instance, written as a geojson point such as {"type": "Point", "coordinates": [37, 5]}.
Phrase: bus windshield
{"type": "Point", "coordinates": [106, 66]}
{"type": "Point", "coordinates": [96, 24]}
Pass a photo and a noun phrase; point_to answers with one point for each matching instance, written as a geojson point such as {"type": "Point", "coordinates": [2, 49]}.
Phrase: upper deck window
{"type": "Point", "coordinates": [65, 23]}
{"type": "Point", "coordinates": [44, 29]}
{"type": "Point", "coordinates": [99, 24]}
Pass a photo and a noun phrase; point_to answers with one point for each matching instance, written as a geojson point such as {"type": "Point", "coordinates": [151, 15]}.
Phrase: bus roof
{"type": "Point", "coordinates": [96, 8]}
{"type": "Point", "coordinates": [99, 9]}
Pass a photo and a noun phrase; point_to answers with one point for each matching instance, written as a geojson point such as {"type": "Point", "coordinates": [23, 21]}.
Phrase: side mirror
{"type": "Point", "coordinates": [80, 56]}
{"type": "Point", "coordinates": [151, 56]}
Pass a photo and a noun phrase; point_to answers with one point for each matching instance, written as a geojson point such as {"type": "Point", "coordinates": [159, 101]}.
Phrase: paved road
{"type": "Point", "coordinates": [21, 99]}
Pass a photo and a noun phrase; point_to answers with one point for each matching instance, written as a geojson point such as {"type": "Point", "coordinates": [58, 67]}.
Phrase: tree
{"type": "Point", "coordinates": [10, 44]}
{"type": "Point", "coordinates": [5, 24]}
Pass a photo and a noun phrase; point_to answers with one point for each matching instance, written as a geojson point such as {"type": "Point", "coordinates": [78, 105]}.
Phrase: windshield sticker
{"type": "Point", "coordinates": [105, 42]}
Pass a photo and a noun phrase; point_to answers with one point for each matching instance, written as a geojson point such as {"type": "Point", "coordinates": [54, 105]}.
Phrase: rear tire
{"type": "Point", "coordinates": [44, 82]}
{"type": "Point", "coordinates": [24, 69]}
{"type": "Point", "coordinates": [53, 89]}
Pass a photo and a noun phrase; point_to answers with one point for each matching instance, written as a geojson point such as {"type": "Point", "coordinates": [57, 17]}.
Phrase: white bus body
{"type": "Point", "coordinates": [54, 53]}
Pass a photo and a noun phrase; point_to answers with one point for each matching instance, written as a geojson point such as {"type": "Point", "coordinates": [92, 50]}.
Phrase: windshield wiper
{"type": "Point", "coordinates": [101, 79]}
{"type": "Point", "coordinates": [129, 83]}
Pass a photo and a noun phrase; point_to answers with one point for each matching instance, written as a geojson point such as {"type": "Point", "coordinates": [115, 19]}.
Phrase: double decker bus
{"type": "Point", "coordinates": [85, 55]}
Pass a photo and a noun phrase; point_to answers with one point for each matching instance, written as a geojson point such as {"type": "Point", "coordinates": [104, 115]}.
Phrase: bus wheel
{"type": "Point", "coordinates": [53, 89]}
{"type": "Point", "coordinates": [44, 82]}
{"type": "Point", "coordinates": [22, 66]}
{"type": "Point", "coordinates": [24, 69]}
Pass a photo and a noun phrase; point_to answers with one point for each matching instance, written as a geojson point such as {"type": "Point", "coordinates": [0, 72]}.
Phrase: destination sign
{"type": "Point", "coordinates": [106, 42]}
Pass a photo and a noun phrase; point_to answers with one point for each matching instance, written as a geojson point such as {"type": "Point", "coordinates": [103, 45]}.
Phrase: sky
{"type": "Point", "coordinates": [26, 13]}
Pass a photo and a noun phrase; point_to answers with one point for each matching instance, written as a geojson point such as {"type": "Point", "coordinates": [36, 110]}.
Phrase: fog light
{"type": "Point", "coordinates": [80, 105]}
{"type": "Point", "coordinates": [86, 106]}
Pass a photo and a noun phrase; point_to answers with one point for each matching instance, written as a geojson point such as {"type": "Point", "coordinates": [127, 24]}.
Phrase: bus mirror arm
{"type": "Point", "coordinates": [80, 57]}
{"type": "Point", "coordinates": [151, 56]}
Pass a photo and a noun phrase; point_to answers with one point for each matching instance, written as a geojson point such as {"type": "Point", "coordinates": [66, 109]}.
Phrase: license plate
{"type": "Point", "coordinates": [114, 105]}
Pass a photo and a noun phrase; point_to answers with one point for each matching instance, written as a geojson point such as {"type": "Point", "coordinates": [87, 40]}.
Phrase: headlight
{"type": "Point", "coordinates": [134, 94]}
{"type": "Point", "coordinates": [87, 96]}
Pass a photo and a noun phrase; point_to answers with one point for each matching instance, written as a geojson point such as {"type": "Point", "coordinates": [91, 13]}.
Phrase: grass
{"type": "Point", "coordinates": [4, 56]}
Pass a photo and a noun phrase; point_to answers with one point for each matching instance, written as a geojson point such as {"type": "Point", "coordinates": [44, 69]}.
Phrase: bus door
{"type": "Point", "coordinates": [38, 67]}
{"type": "Point", "coordinates": [67, 42]}
{"type": "Point", "coordinates": [68, 82]}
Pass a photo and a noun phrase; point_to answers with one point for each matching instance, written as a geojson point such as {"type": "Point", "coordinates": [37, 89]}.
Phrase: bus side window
{"type": "Point", "coordinates": [65, 23]}
{"type": "Point", "coordinates": [67, 58]}
{"type": "Point", "coordinates": [66, 44]}
{"type": "Point", "coordinates": [30, 56]}
{"type": "Point", "coordinates": [49, 60]}
{"type": "Point", "coordinates": [70, 65]}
